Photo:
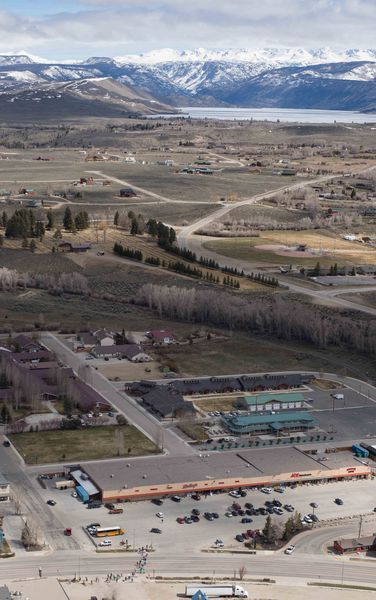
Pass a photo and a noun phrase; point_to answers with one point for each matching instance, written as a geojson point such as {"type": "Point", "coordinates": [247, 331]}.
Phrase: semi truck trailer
{"type": "Point", "coordinates": [216, 591]}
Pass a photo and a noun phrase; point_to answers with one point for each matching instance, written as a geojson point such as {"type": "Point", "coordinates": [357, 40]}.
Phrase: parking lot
{"type": "Point", "coordinates": [140, 517]}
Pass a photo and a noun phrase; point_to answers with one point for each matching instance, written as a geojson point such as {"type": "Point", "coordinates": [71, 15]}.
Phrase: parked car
{"type": "Point", "coordinates": [155, 530]}
{"type": "Point", "coordinates": [6, 443]}
{"type": "Point", "coordinates": [338, 501]}
{"type": "Point", "coordinates": [176, 498]}
{"type": "Point", "coordinates": [314, 517]}
{"type": "Point", "coordinates": [116, 511]}
{"type": "Point", "coordinates": [239, 537]}
{"type": "Point", "coordinates": [290, 549]}
{"type": "Point", "coordinates": [195, 518]}
{"type": "Point", "coordinates": [307, 519]}
{"type": "Point", "coordinates": [243, 493]}
{"type": "Point", "coordinates": [160, 515]}
{"type": "Point", "coordinates": [74, 494]}
{"type": "Point", "coordinates": [288, 507]}
{"type": "Point", "coordinates": [278, 510]}
{"type": "Point", "coordinates": [180, 520]}
{"type": "Point", "coordinates": [234, 494]}
{"type": "Point", "coordinates": [188, 520]}
{"type": "Point", "coordinates": [105, 543]}
{"type": "Point", "coordinates": [157, 501]}
{"type": "Point", "coordinates": [196, 497]}
{"type": "Point", "coordinates": [246, 520]}
{"type": "Point", "coordinates": [248, 505]}
{"type": "Point", "coordinates": [51, 502]}
{"type": "Point", "coordinates": [68, 531]}
{"type": "Point", "coordinates": [266, 490]}
{"type": "Point", "coordinates": [109, 505]}
{"type": "Point", "coordinates": [228, 513]}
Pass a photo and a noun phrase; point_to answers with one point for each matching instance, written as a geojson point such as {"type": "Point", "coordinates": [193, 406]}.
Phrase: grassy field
{"type": "Point", "coordinates": [328, 249]}
{"type": "Point", "coordinates": [251, 354]}
{"type": "Point", "coordinates": [89, 444]}
{"type": "Point", "coordinates": [195, 431]}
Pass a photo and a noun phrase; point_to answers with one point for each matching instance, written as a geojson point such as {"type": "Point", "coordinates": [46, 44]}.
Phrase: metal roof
{"type": "Point", "coordinates": [82, 479]}
{"type": "Point", "coordinates": [282, 397]}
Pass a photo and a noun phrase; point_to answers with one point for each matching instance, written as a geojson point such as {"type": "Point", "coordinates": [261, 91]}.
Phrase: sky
{"type": "Point", "coordinates": [77, 29]}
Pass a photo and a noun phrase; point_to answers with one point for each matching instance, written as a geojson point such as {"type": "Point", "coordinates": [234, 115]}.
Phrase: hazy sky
{"type": "Point", "coordinates": [63, 29]}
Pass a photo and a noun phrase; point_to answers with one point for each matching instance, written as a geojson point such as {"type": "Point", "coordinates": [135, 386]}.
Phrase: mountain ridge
{"type": "Point", "coordinates": [288, 78]}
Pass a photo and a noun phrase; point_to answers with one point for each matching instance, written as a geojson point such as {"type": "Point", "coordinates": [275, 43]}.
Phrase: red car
{"type": "Point", "coordinates": [196, 497]}
{"type": "Point", "coordinates": [180, 520]}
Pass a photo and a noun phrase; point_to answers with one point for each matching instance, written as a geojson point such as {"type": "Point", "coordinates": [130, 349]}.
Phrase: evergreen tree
{"type": "Point", "coordinates": [4, 219]}
{"type": "Point", "coordinates": [68, 219]}
{"type": "Point", "coordinates": [50, 219]}
{"type": "Point", "coordinates": [116, 218]}
{"type": "Point", "coordinates": [134, 227]}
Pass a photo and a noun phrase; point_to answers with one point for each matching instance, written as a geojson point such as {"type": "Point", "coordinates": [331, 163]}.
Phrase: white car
{"type": "Point", "coordinates": [74, 494]}
{"type": "Point", "coordinates": [266, 490]}
{"type": "Point", "coordinates": [160, 515]}
{"type": "Point", "coordinates": [219, 544]}
{"type": "Point", "coordinates": [105, 543]}
{"type": "Point", "coordinates": [307, 519]}
{"type": "Point", "coordinates": [290, 549]}
{"type": "Point", "coordinates": [234, 494]}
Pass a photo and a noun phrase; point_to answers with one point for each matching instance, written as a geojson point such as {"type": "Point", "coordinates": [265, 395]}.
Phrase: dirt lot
{"type": "Point", "coordinates": [86, 444]}
{"type": "Point", "coordinates": [127, 371]}
{"type": "Point", "coordinates": [209, 404]}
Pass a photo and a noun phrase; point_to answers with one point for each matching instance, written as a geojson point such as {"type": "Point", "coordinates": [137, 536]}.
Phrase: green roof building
{"type": "Point", "coordinates": [271, 401]}
{"type": "Point", "coordinates": [269, 423]}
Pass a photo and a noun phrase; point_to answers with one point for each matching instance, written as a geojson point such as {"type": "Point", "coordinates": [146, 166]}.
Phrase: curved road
{"type": "Point", "coordinates": [187, 239]}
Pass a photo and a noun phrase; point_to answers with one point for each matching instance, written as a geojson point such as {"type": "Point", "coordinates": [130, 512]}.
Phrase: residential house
{"type": "Point", "coordinates": [70, 247]}
{"type": "Point", "coordinates": [104, 337]}
{"type": "Point", "coordinates": [132, 352]}
{"type": "Point", "coordinates": [161, 336]}
{"type": "Point", "coordinates": [25, 343]}
{"type": "Point", "coordinates": [127, 193]}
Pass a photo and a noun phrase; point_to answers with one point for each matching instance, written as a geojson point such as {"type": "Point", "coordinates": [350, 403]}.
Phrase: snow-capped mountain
{"type": "Point", "coordinates": [287, 77]}
{"type": "Point", "coordinates": [270, 56]}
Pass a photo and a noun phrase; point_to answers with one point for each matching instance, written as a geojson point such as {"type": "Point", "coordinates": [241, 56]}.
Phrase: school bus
{"type": "Point", "coordinates": [105, 531]}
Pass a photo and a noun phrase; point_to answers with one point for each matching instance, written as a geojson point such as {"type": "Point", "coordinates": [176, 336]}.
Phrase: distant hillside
{"type": "Point", "coordinates": [81, 98]}
{"type": "Point", "coordinates": [289, 78]}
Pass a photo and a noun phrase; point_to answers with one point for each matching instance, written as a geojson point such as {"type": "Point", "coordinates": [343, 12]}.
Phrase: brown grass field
{"type": "Point", "coordinates": [326, 248]}
{"type": "Point", "coordinates": [88, 444]}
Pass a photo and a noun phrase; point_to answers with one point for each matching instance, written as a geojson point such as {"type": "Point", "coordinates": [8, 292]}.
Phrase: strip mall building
{"type": "Point", "coordinates": [138, 479]}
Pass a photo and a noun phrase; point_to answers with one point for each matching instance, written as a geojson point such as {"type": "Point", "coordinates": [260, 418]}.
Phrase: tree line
{"type": "Point", "coordinates": [275, 316]}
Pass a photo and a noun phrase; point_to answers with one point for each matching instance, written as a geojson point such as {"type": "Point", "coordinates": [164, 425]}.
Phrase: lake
{"type": "Point", "coordinates": [289, 115]}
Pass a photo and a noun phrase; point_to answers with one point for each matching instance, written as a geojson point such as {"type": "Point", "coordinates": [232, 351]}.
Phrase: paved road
{"type": "Point", "coordinates": [27, 491]}
{"type": "Point", "coordinates": [299, 566]}
{"type": "Point", "coordinates": [187, 238]}
{"type": "Point", "coordinates": [148, 424]}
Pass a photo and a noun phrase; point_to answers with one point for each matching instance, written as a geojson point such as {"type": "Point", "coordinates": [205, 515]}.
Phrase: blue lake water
{"type": "Point", "coordinates": [289, 115]}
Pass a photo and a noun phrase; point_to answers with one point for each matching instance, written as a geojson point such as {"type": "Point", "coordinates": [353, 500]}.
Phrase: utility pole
{"type": "Point", "coordinates": [360, 526]}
